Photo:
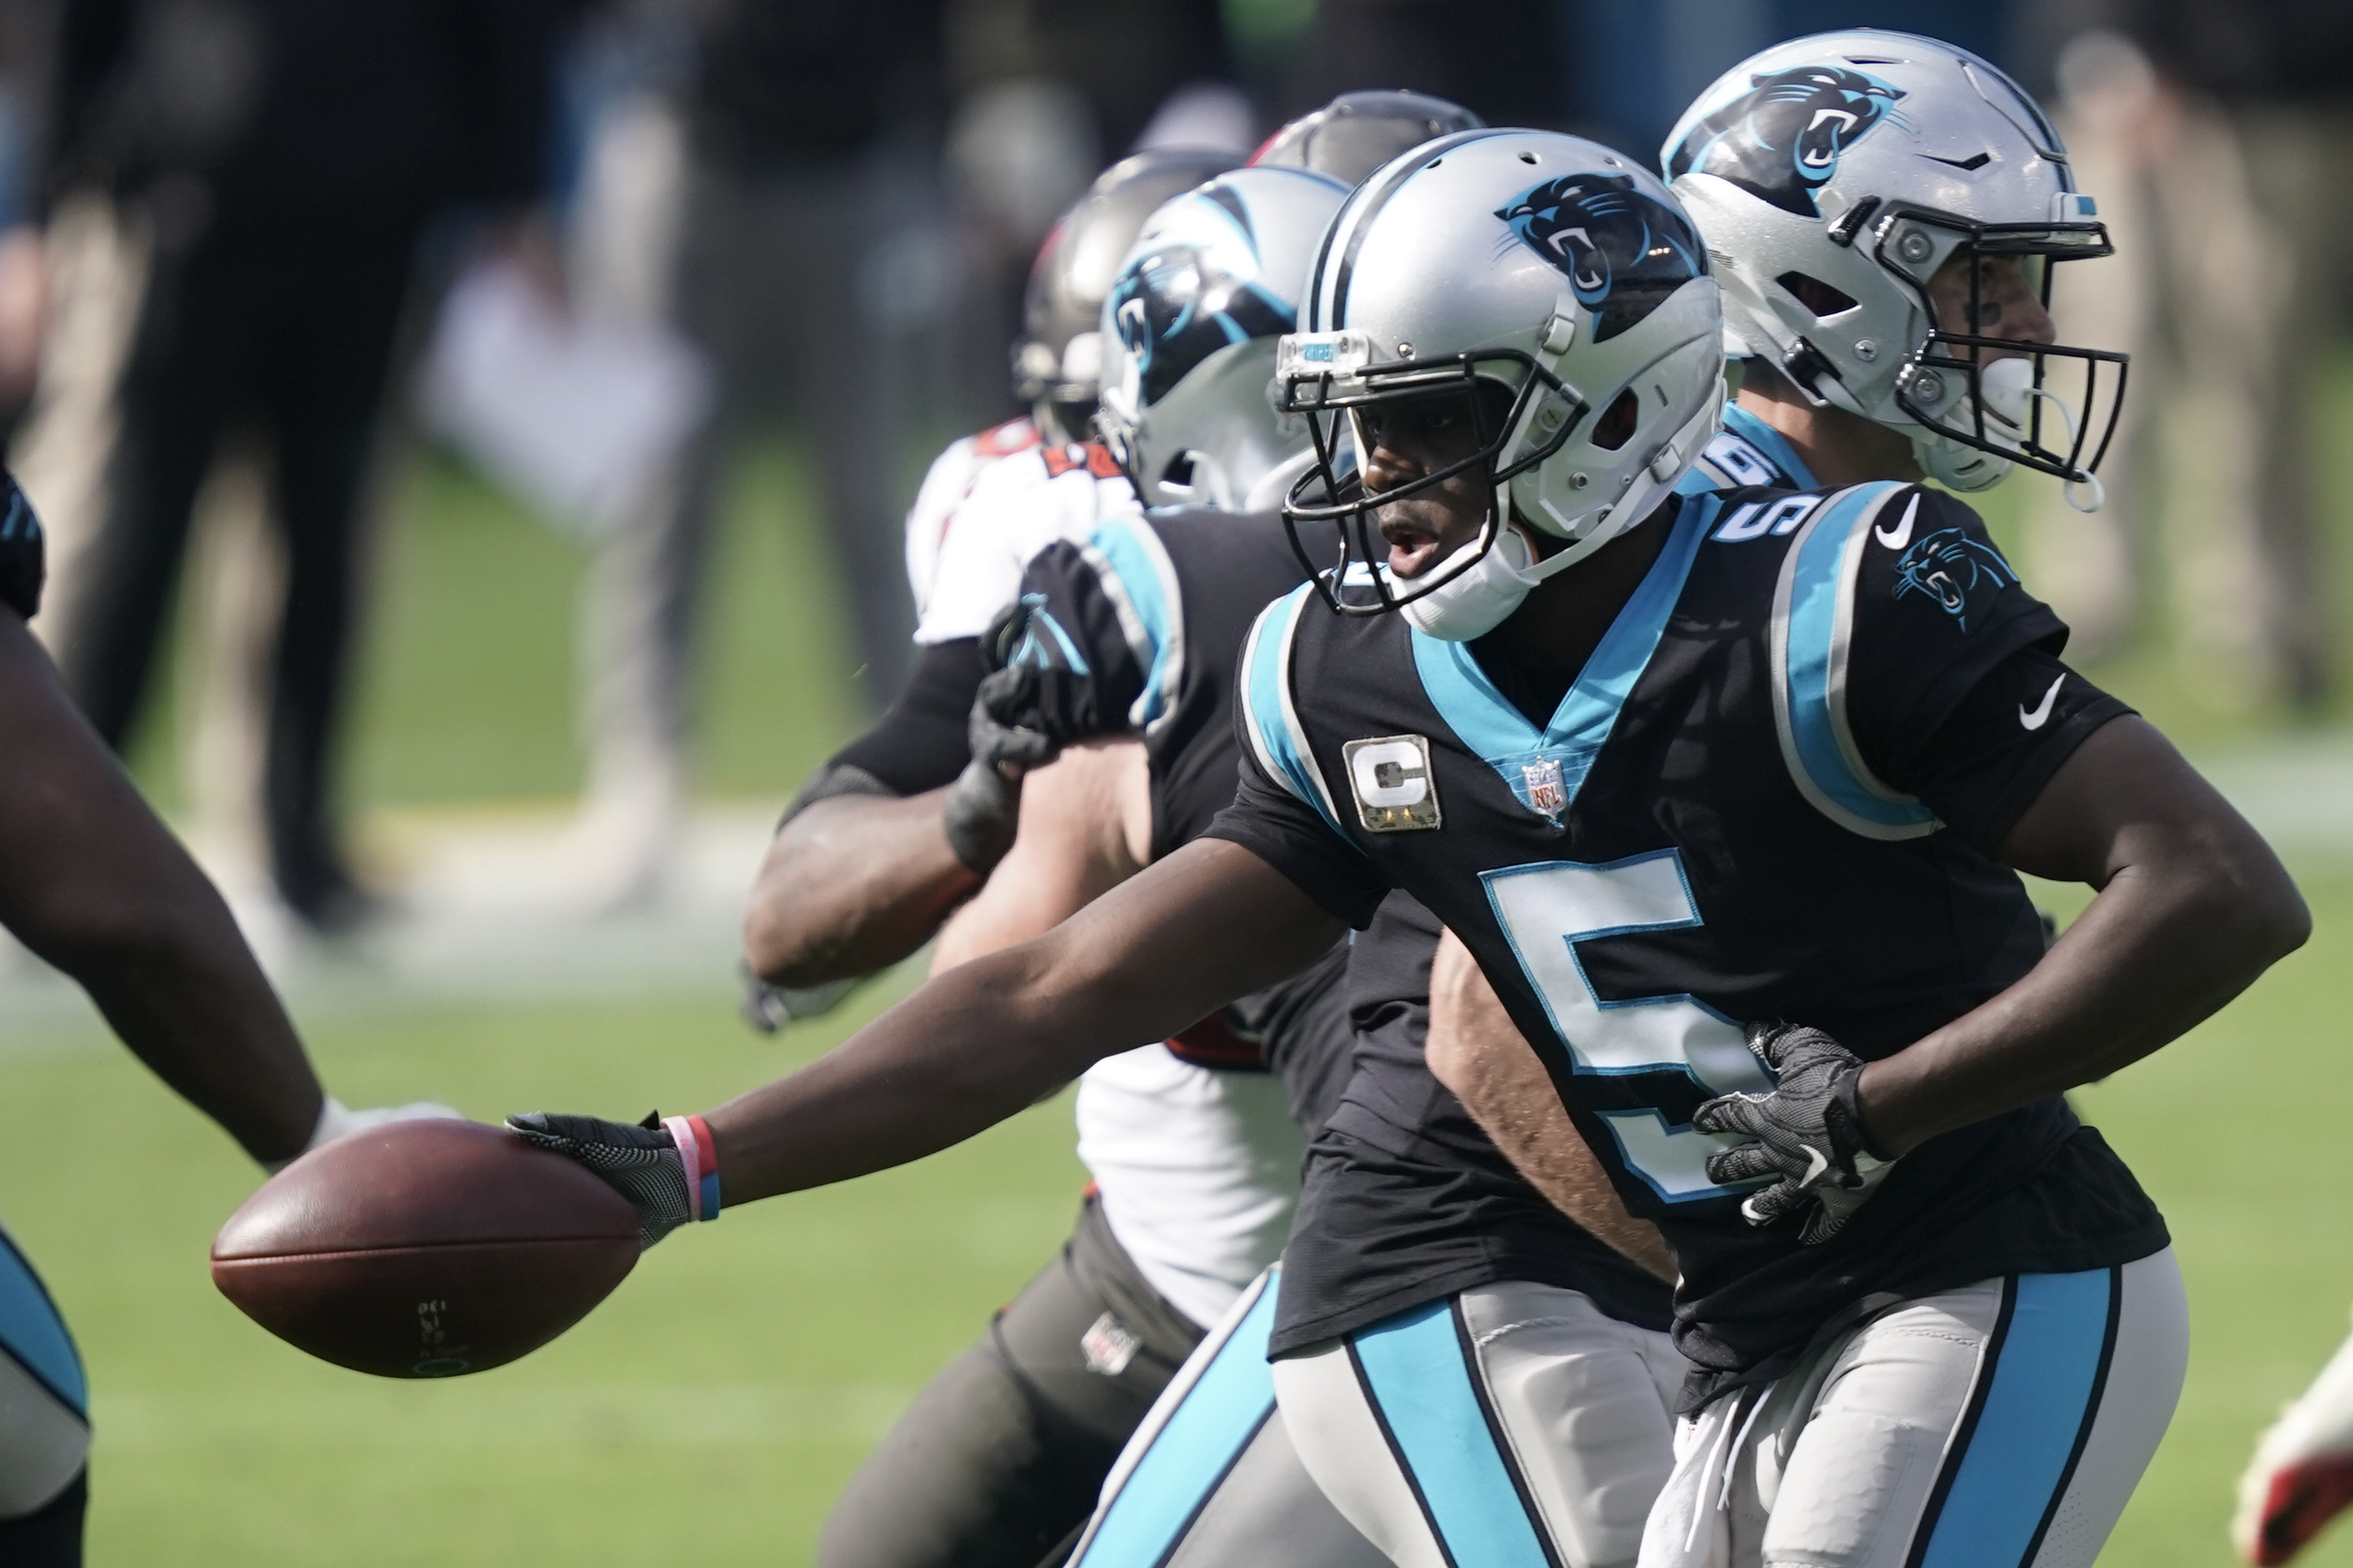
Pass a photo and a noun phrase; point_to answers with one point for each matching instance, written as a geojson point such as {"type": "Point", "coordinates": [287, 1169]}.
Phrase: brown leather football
{"type": "Point", "coordinates": [425, 1249]}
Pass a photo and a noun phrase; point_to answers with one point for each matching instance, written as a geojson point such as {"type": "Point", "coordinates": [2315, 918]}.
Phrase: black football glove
{"type": "Point", "coordinates": [23, 560]}
{"type": "Point", "coordinates": [983, 808]}
{"type": "Point", "coordinates": [1806, 1133]}
{"type": "Point", "coordinates": [642, 1164]}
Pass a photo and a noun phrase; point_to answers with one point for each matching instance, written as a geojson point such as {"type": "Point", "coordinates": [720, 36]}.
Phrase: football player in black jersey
{"type": "Point", "coordinates": [1723, 793]}
{"type": "Point", "coordinates": [1129, 641]}
{"type": "Point", "coordinates": [92, 883]}
{"type": "Point", "coordinates": [1004, 1452]}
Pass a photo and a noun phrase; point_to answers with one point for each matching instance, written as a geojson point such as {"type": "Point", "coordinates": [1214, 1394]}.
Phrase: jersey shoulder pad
{"type": "Point", "coordinates": [1135, 574]}
{"type": "Point", "coordinates": [1270, 718]}
{"type": "Point", "coordinates": [1812, 639]}
{"type": "Point", "coordinates": [1003, 441]}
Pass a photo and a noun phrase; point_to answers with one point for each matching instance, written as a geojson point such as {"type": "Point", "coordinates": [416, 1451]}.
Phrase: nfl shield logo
{"type": "Point", "coordinates": [1548, 795]}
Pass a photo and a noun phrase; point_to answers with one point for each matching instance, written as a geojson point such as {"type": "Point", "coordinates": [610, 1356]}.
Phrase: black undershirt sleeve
{"type": "Point", "coordinates": [920, 744]}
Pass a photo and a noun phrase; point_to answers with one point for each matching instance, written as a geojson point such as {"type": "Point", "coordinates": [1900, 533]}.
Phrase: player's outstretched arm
{"type": "Point", "coordinates": [1211, 923]}
{"type": "Point", "coordinates": [1476, 1052]}
{"type": "Point", "coordinates": [851, 885]}
{"type": "Point", "coordinates": [92, 883]}
{"type": "Point", "coordinates": [2192, 907]}
{"type": "Point", "coordinates": [1086, 827]}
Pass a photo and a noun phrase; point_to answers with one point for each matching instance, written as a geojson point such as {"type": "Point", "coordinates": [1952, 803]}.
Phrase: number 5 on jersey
{"type": "Point", "coordinates": [1545, 910]}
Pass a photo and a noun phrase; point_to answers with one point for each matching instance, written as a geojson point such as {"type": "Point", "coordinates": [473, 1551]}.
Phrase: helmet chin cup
{"type": "Point", "coordinates": [1487, 583]}
{"type": "Point", "coordinates": [1956, 466]}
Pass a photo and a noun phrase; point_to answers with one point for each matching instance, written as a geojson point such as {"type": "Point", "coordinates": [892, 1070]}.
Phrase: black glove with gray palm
{"type": "Point", "coordinates": [642, 1162]}
{"type": "Point", "coordinates": [1806, 1133]}
{"type": "Point", "coordinates": [983, 808]}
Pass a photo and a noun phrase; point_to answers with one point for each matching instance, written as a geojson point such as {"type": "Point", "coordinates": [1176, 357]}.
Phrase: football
{"type": "Point", "coordinates": [425, 1249]}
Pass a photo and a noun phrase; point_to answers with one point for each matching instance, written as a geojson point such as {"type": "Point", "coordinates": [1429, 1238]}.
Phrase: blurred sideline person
{"type": "Point", "coordinates": [282, 169]}
{"type": "Point", "coordinates": [1903, 1259]}
{"type": "Point", "coordinates": [2216, 134]}
{"type": "Point", "coordinates": [810, 261]}
{"type": "Point", "coordinates": [93, 883]}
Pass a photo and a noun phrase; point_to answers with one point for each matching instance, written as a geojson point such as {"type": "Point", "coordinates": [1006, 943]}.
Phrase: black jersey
{"type": "Point", "coordinates": [1124, 649]}
{"type": "Point", "coordinates": [1140, 629]}
{"type": "Point", "coordinates": [1404, 1199]}
{"type": "Point", "coordinates": [1772, 793]}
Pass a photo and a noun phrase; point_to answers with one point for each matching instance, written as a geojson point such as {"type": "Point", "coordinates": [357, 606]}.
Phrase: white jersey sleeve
{"type": "Point", "coordinates": [1014, 507]}
{"type": "Point", "coordinates": [947, 485]}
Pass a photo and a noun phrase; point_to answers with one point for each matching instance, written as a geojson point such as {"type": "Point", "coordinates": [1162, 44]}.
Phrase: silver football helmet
{"type": "Point", "coordinates": [1559, 290]}
{"type": "Point", "coordinates": [1192, 319]}
{"type": "Point", "coordinates": [1057, 359]}
{"type": "Point", "coordinates": [1832, 178]}
{"type": "Point", "coordinates": [1357, 133]}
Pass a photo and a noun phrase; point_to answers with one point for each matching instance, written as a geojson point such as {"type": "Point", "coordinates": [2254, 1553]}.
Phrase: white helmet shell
{"type": "Point", "coordinates": [1209, 285]}
{"type": "Point", "coordinates": [1830, 177]}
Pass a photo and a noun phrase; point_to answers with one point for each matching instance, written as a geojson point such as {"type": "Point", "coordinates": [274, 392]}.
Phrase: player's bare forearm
{"type": "Point", "coordinates": [1086, 826]}
{"type": "Point", "coordinates": [850, 886]}
{"type": "Point", "coordinates": [2192, 905]}
{"type": "Point", "coordinates": [1477, 1052]}
{"type": "Point", "coordinates": [982, 1041]}
{"type": "Point", "coordinates": [94, 883]}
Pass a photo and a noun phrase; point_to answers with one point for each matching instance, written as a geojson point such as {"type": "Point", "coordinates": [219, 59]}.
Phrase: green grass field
{"type": "Point", "coordinates": [723, 1394]}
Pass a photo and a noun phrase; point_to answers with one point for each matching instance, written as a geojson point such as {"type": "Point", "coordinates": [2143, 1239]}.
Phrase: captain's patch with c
{"type": "Point", "coordinates": [1390, 777]}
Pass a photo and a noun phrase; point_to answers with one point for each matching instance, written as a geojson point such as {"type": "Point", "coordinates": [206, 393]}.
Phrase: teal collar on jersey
{"type": "Point", "coordinates": [1545, 767]}
{"type": "Point", "coordinates": [1740, 421]}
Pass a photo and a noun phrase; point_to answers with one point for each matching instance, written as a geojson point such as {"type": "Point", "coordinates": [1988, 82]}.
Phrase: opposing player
{"type": "Point", "coordinates": [862, 870]}
{"type": "Point", "coordinates": [2302, 1475]}
{"type": "Point", "coordinates": [93, 883]}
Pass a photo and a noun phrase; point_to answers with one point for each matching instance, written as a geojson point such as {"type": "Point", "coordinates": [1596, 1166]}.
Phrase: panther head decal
{"type": "Point", "coordinates": [1175, 307]}
{"type": "Point", "coordinates": [1624, 252]}
{"type": "Point", "coordinates": [1781, 141]}
{"type": "Point", "coordinates": [1961, 573]}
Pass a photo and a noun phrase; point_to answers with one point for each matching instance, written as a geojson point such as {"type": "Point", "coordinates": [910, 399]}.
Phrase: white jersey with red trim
{"type": "Point", "coordinates": [1198, 1167]}
{"type": "Point", "coordinates": [1013, 506]}
{"type": "Point", "coordinates": [946, 487]}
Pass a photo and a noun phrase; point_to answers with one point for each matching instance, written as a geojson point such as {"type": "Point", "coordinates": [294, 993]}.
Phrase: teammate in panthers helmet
{"type": "Point", "coordinates": [1885, 211]}
{"type": "Point", "coordinates": [92, 883]}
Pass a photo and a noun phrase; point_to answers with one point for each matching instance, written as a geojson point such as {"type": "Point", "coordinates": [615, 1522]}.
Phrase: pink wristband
{"type": "Point", "coordinates": [700, 1154]}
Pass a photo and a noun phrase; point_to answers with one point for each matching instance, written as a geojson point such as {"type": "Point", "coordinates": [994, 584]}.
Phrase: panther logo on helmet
{"type": "Point", "coordinates": [1625, 252]}
{"type": "Point", "coordinates": [1175, 307]}
{"type": "Point", "coordinates": [1949, 566]}
{"type": "Point", "coordinates": [1782, 140]}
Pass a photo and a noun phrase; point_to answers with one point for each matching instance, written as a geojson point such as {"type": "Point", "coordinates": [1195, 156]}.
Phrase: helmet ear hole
{"type": "Point", "coordinates": [1817, 296]}
{"type": "Point", "coordinates": [1178, 474]}
{"type": "Point", "coordinates": [1616, 425]}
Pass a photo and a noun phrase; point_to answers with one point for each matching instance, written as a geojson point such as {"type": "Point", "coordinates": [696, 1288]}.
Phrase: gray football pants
{"type": "Point", "coordinates": [1211, 1479]}
{"type": "Point", "coordinates": [2002, 1425]}
{"type": "Point", "coordinates": [999, 1459]}
{"type": "Point", "coordinates": [1510, 1426]}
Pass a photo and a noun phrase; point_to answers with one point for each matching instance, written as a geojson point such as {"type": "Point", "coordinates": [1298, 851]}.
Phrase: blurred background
{"type": "Point", "coordinates": [474, 437]}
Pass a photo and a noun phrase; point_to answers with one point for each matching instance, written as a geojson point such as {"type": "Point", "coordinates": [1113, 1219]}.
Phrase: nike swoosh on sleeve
{"type": "Point", "coordinates": [1902, 534]}
{"type": "Point", "coordinates": [2039, 714]}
